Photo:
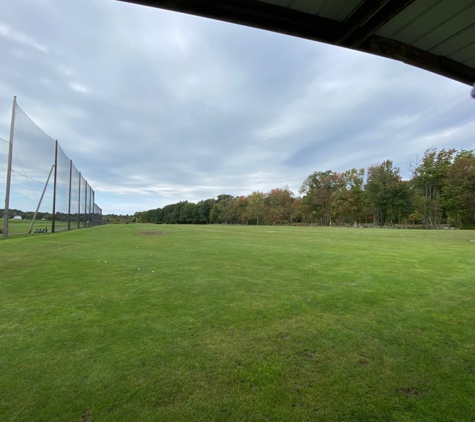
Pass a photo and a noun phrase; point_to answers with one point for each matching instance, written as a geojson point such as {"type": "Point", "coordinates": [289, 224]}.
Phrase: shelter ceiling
{"type": "Point", "coordinates": [435, 35]}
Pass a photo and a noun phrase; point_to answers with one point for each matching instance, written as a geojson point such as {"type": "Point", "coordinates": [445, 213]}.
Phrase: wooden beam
{"type": "Point", "coordinates": [256, 14]}
{"type": "Point", "coordinates": [360, 15]}
{"type": "Point", "coordinates": [378, 20]}
{"type": "Point", "coordinates": [414, 56]}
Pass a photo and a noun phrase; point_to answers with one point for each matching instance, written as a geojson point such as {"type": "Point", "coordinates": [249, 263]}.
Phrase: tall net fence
{"type": "Point", "coordinates": [3, 172]}
{"type": "Point", "coordinates": [43, 190]}
{"type": "Point", "coordinates": [84, 201]}
{"type": "Point", "coordinates": [75, 197]}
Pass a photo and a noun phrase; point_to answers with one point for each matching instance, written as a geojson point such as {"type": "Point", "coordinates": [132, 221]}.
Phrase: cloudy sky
{"type": "Point", "coordinates": [155, 107]}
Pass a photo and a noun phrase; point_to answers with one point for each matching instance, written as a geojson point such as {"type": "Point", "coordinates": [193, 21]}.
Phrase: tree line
{"type": "Point", "coordinates": [441, 191]}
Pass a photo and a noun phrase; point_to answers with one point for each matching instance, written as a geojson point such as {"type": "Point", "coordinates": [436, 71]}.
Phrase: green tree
{"type": "Point", "coordinates": [278, 209]}
{"type": "Point", "coordinates": [318, 194]}
{"type": "Point", "coordinates": [458, 197]}
{"type": "Point", "coordinates": [429, 178]}
{"type": "Point", "coordinates": [379, 190]}
{"type": "Point", "coordinates": [297, 210]}
{"type": "Point", "coordinates": [348, 196]}
{"type": "Point", "coordinates": [217, 213]}
{"type": "Point", "coordinates": [401, 204]}
{"type": "Point", "coordinates": [186, 213]}
{"type": "Point", "coordinates": [225, 209]}
{"type": "Point", "coordinates": [242, 204]}
{"type": "Point", "coordinates": [256, 206]}
{"type": "Point", "coordinates": [205, 210]}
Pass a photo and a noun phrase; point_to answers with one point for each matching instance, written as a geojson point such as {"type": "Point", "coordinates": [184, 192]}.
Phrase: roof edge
{"type": "Point", "coordinates": [258, 14]}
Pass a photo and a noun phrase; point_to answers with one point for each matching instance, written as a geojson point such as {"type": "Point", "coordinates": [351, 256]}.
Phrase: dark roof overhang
{"type": "Point", "coordinates": [416, 32]}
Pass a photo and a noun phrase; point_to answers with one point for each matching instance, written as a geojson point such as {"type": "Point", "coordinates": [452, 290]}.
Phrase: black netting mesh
{"type": "Point", "coordinates": [42, 197]}
{"type": "Point", "coordinates": [3, 171]}
{"type": "Point", "coordinates": [97, 215]}
{"type": "Point", "coordinates": [84, 201]}
{"type": "Point", "coordinates": [5, 118]}
{"type": "Point", "coordinates": [62, 191]}
{"type": "Point", "coordinates": [90, 207]}
{"type": "Point", "coordinates": [32, 161]}
{"type": "Point", "coordinates": [75, 210]}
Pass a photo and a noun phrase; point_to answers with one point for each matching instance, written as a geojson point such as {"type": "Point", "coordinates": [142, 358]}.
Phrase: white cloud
{"type": "Point", "coordinates": [455, 136]}
{"type": "Point", "coordinates": [75, 86]}
{"type": "Point", "coordinates": [5, 31]}
{"type": "Point", "coordinates": [65, 70]}
{"type": "Point", "coordinates": [180, 107]}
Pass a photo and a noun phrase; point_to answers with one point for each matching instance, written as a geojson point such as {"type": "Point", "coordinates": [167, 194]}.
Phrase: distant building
{"type": "Point", "coordinates": [17, 217]}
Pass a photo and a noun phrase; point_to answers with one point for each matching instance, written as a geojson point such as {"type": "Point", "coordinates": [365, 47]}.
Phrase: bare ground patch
{"type": "Point", "coordinates": [150, 233]}
{"type": "Point", "coordinates": [409, 392]}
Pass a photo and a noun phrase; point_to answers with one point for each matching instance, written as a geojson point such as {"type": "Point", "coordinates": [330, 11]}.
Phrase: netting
{"type": "Point", "coordinates": [47, 192]}
{"type": "Point", "coordinates": [84, 199]}
{"type": "Point", "coordinates": [4, 129]}
{"type": "Point", "coordinates": [90, 206]}
{"type": "Point", "coordinates": [62, 190]}
{"type": "Point", "coordinates": [97, 215]}
{"type": "Point", "coordinates": [74, 215]}
{"type": "Point", "coordinates": [3, 168]}
{"type": "Point", "coordinates": [32, 161]}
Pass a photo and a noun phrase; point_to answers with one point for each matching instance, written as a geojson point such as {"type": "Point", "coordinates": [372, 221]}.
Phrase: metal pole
{"type": "Point", "coordinates": [53, 221]}
{"type": "Point", "coordinates": [79, 202]}
{"type": "Point", "coordinates": [91, 201]}
{"type": "Point", "coordinates": [70, 188]}
{"type": "Point", "coordinates": [41, 199]}
{"type": "Point", "coordinates": [85, 205]}
{"type": "Point", "coordinates": [93, 208]}
{"type": "Point", "coordinates": [9, 172]}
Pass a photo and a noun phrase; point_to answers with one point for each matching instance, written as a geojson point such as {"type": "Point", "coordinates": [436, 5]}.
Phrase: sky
{"type": "Point", "coordinates": [156, 107]}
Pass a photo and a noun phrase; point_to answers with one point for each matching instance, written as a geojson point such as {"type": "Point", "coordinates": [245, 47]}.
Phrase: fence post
{"type": "Point", "coordinates": [85, 205]}
{"type": "Point", "coordinates": [53, 221]}
{"type": "Point", "coordinates": [93, 208]}
{"type": "Point", "coordinates": [9, 172]}
{"type": "Point", "coordinates": [79, 202]}
{"type": "Point", "coordinates": [70, 189]}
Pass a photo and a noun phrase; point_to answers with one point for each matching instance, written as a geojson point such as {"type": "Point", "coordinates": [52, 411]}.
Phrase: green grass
{"type": "Point", "coordinates": [21, 227]}
{"type": "Point", "coordinates": [238, 324]}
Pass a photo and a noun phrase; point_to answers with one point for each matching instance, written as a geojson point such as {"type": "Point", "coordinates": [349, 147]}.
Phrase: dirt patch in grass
{"type": "Point", "coordinates": [306, 354]}
{"type": "Point", "coordinates": [409, 392]}
{"type": "Point", "coordinates": [146, 233]}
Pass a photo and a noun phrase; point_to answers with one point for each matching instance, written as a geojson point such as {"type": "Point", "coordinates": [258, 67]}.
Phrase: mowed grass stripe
{"type": "Point", "coordinates": [237, 323]}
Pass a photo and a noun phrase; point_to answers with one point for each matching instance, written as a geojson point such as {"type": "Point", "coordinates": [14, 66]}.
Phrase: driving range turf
{"type": "Point", "coordinates": [224, 323]}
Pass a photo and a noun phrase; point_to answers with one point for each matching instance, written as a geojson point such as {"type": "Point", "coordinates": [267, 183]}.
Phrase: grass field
{"type": "Point", "coordinates": [214, 323]}
{"type": "Point", "coordinates": [21, 227]}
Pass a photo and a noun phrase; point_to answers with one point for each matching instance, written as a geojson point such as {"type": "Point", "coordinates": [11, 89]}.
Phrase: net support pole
{"type": "Point", "coordinates": [70, 192]}
{"type": "Point", "coordinates": [93, 208]}
{"type": "Point", "coordinates": [9, 172]}
{"type": "Point", "coordinates": [53, 221]}
{"type": "Point", "coordinates": [79, 202]}
{"type": "Point", "coordinates": [85, 205]}
{"type": "Point", "coordinates": [41, 199]}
